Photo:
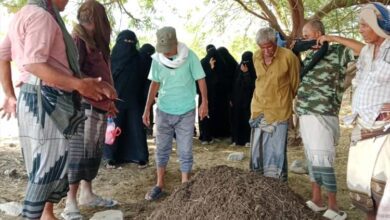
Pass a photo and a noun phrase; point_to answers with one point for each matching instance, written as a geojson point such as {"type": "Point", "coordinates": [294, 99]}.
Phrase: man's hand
{"type": "Point", "coordinates": [386, 109]}
{"type": "Point", "coordinates": [112, 110]}
{"type": "Point", "coordinates": [203, 110]}
{"type": "Point", "coordinates": [323, 38]}
{"type": "Point", "coordinates": [8, 108]}
{"type": "Point", "coordinates": [96, 89]}
{"type": "Point", "coordinates": [146, 117]}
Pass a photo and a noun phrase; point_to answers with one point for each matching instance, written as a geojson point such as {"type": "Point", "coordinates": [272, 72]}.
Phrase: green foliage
{"type": "Point", "coordinates": [241, 44]}
{"type": "Point", "coordinates": [341, 21]}
{"type": "Point", "coordinates": [13, 5]}
{"type": "Point", "coordinates": [141, 21]}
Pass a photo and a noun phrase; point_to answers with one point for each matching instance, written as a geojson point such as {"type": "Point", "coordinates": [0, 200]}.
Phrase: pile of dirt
{"type": "Point", "coordinates": [224, 192]}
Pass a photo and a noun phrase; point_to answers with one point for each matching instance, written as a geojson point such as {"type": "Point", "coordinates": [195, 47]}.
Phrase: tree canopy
{"type": "Point", "coordinates": [219, 16]}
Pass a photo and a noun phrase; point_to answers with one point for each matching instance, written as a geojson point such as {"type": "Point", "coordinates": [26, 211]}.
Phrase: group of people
{"type": "Point", "coordinates": [66, 94]}
{"type": "Point", "coordinates": [70, 84]}
{"type": "Point", "coordinates": [317, 85]}
{"type": "Point", "coordinates": [230, 87]}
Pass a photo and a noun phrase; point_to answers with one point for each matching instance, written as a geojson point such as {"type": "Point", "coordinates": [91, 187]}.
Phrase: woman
{"type": "Point", "coordinates": [130, 81]}
{"type": "Point", "coordinates": [243, 88]}
{"type": "Point", "coordinates": [223, 92]}
{"type": "Point", "coordinates": [146, 52]}
{"type": "Point", "coordinates": [92, 38]}
{"type": "Point", "coordinates": [211, 65]}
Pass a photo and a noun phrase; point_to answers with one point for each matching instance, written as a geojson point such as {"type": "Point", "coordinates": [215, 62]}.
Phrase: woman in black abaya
{"type": "Point", "coordinates": [129, 81]}
{"type": "Point", "coordinates": [243, 88]}
{"type": "Point", "coordinates": [211, 65]}
{"type": "Point", "coordinates": [223, 90]}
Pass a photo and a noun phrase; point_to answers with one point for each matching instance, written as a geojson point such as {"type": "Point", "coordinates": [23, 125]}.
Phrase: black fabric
{"type": "Point", "coordinates": [243, 88]}
{"type": "Point", "coordinates": [130, 80]}
{"type": "Point", "coordinates": [146, 51]}
{"type": "Point", "coordinates": [224, 92]}
{"type": "Point", "coordinates": [123, 51]}
{"type": "Point", "coordinates": [131, 145]}
{"type": "Point", "coordinates": [304, 45]}
{"type": "Point", "coordinates": [207, 126]}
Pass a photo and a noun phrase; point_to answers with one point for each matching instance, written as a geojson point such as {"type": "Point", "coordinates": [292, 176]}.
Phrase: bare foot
{"type": "Point", "coordinates": [48, 217]}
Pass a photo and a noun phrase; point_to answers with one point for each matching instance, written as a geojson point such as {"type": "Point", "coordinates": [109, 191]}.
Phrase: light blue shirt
{"type": "Point", "coordinates": [177, 91]}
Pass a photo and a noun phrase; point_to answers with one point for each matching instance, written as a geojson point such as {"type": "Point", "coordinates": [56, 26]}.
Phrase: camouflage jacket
{"type": "Point", "coordinates": [321, 89]}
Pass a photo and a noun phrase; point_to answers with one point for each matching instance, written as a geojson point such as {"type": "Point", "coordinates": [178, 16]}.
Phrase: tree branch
{"type": "Point", "coordinates": [271, 18]}
{"type": "Point", "coordinates": [122, 8]}
{"type": "Point", "coordinates": [279, 13]}
{"type": "Point", "coordinates": [335, 4]}
{"type": "Point", "coordinates": [297, 15]}
{"type": "Point", "coordinates": [266, 14]}
{"type": "Point", "coordinates": [245, 7]}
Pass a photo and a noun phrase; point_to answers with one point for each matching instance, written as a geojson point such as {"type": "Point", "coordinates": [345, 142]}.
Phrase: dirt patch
{"type": "Point", "coordinates": [130, 184]}
{"type": "Point", "coordinates": [224, 192]}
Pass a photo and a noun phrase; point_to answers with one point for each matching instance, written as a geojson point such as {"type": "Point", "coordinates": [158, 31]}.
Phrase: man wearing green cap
{"type": "Point", "coordinates": [174, 71]}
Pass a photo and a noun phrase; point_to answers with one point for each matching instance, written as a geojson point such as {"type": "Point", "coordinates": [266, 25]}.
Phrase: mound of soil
{"type": "Point", "coordinates": [224, 192]}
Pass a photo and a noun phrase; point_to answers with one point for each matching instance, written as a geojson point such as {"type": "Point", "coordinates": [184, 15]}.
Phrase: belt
{"type": "Point", "coordinates": [90, 107]}
{"type": "Point", "coordinates": [383, 116]}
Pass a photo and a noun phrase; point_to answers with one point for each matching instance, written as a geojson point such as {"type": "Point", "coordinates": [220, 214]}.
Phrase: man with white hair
{"type": "Point", "coordinates": [277, 71]}
{"type": "Point", "coordinates": [369, 153]}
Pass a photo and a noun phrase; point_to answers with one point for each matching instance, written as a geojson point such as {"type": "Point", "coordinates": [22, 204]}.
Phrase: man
{"type": "Point", "coordinates": [369, 153]}
{"type": "Point", "coordinates": [85, 147]}
{"type": "Point", "coordinates": [277, 71]}
{"type": "Point", "coordinates": [318, 103]}
{"type": "Point", "coordinates": [46, 57]}
{"type": "Point", "coordinates": [175, 68]}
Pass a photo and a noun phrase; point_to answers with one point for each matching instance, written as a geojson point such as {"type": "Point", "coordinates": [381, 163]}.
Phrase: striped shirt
{"type": "Point", "coordinates": [372, 82]}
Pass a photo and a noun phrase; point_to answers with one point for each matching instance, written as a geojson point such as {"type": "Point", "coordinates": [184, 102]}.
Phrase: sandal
{"type": "Point", "coordinates": [109, 164]}
{"type": "Point", "coordinates": [330, 214]}
{"type": "Point", "coordinates": [71, 214]}
{"type": "Point", "coordinates": [155, 193]}
{"type": "Point", "coordinates": [314, 207]}
{"type": "Point", "coordinates": [100, 202]}
{"type": "Point", "coordinates": [142, 165]}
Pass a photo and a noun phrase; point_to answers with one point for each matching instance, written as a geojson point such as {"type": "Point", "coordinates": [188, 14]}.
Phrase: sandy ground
{"type": "Point", "coordinates": [129, 184]}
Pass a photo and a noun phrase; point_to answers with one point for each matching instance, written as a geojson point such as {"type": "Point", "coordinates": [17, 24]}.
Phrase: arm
{"type": "Point", "coordinates": [154, 87]}
{"type": "Point", "coordinates": [9, 105]}
{"type": "Point", "coordinates": [294, 74]}
{"type": "Point", "coordinates": [355, 45]}
{"type": "Point", "coordinates": [92, 88]}
{"type": "Point", "coordinates": [203, 109]}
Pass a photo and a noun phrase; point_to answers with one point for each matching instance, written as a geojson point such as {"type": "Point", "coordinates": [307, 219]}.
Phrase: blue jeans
{"type": "Point", "coordinates": [181, 125]}
{"type": "Point", "coordinates": [269, 152]}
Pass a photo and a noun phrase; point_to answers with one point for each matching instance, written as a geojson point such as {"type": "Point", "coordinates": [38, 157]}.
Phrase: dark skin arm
{"type": "Point", "coordinates": [204, 107]}
{"type": "Point", "coordinates": [153, 89]}
{"type": "Point", "coordinates": [93, 88]}
{"type": "Point", "coordinates": [9, 104]}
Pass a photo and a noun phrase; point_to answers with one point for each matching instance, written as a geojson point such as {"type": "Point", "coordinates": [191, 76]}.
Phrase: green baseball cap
{"type": "Point", "coordinates": [166, 39]}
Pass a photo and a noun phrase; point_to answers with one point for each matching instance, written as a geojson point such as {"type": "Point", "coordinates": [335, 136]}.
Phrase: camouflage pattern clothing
{"type": "Point", "coordinates": [321, 89]}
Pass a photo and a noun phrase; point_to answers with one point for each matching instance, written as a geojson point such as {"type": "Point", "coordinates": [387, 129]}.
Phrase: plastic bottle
{"type": "Point", "coordinates": [112, 131]}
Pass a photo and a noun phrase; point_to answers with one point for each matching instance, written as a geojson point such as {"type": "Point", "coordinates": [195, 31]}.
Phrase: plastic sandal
{"type": "Point", "coordinates": [311, 205]}
{"type": "Point", "coordinates": [155, 193]}
{"type": "Point", "coordinates": [330, 214]}
{"type": "Point", "coordinates": [71, 214]}
{"type": "Point", "coordinates": [100, 202]}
